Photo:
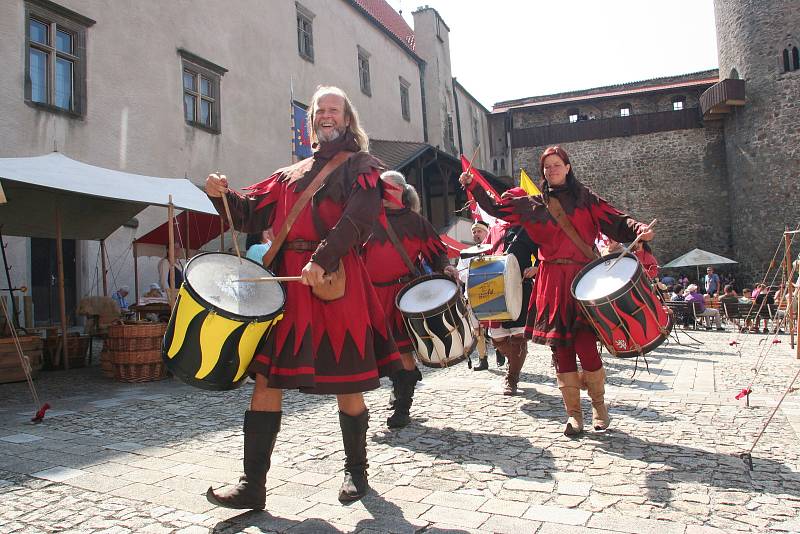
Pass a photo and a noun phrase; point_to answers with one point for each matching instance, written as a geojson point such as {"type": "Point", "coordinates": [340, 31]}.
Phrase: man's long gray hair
{"type": "Point", "coordinates": [410, 196]}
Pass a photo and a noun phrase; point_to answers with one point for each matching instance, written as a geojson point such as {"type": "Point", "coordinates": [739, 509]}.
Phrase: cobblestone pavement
{"type": "Point", "coordinates": [114, 457]}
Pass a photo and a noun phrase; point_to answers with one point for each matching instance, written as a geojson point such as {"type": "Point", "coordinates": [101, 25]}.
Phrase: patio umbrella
{"type": "Point", "coordinates": [696, 258]}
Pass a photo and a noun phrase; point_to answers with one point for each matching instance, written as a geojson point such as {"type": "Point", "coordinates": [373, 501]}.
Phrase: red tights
{"type": "Point", "coordinates": [585, 346]}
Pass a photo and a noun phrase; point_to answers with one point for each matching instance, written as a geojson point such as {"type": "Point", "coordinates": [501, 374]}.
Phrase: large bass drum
{"type": "Point", "coordinates": [218, 323]}
{"type": "Point", "coordinates": [494, 287]}
{"type": "Point", "coordinates": [621, 306]}
{"type": "Point", "coordinates": [437, 320]}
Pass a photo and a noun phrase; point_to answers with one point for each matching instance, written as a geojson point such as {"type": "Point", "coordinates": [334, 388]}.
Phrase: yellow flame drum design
{"type": "Point", "coordinates": [218, 323]}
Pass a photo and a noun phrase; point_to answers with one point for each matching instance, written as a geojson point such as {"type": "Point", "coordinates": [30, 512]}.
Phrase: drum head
{"type": "Point", "coordinates": [427, 295]}
{"type": "Point", "coordinates": [212, 277]}
{"type": "Point", "coordinates": [600, 281]}
{"type": "Point", "coordinates": [475, 250]}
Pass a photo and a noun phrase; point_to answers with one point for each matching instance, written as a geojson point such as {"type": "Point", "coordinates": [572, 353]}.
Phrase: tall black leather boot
{"type": "Point", "coordinates": [260, 431]}
{"type": "Point", "coordinates": [354, 438]}
{"type": "Point", "coordinates": [403, 384]}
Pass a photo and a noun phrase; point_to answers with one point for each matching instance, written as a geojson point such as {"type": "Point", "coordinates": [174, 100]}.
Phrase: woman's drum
{"type": "Point", "coordinates": [494, 287]}
{"type": "Point", "coordinates": [627, 315]}
{"type": "Point", "coordinates": [218, 323]}
{"type": "Point", "coordinates": [437, 320]}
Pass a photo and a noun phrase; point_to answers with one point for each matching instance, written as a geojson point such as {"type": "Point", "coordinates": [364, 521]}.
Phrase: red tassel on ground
{"type": "Point", "coordinates": [40, 414]}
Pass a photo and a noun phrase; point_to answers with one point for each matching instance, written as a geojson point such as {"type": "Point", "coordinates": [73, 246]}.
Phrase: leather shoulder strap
{"type": "Point", "coordinates": [305, 196]}
{"type": "Point", "coordinates": [400, 248]}
{"type": "Point", "coordinates": [555, 209]}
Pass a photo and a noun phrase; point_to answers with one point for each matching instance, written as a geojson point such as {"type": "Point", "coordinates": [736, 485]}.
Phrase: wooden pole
{"type": "Point", "coordinates": [788, 286]}
{"type": "Point", "coordinates": [171, 251]}
{"type": "Point", "coordinates": [221, 234]}
{"type": "Point", "coordinates": [135, 274]}
{"type": "Point", "coordinates": [103, 266]}
{"type": "Point", "coordinates": [62, 304]}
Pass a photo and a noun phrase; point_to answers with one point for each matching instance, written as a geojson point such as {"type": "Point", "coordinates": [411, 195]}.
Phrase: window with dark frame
{"type": "Point", "coordinates": [55, 59]}
{"type": "Point", "coordinates": [678, 103]}
{"type": "Point", "coordinates": [305, 33]}
{"type": "Point", "coordinates": [405, 103]}
{"type": "Point", "coordinates": [625, 110]}
{"type": "Point", "coordinates": [201, 91]}
{"type": "Point", "coordinates": [363, 71]}
{"type": "Point", "coordinates": [791, 59]}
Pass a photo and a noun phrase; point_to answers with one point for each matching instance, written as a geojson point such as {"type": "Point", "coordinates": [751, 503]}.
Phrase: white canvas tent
{"type": "Point", "coordinates": [94, 201]}
{"type": "Point", "coordinates": [53, 196]}
{"type": "Point", "coordinates": [696, 258]}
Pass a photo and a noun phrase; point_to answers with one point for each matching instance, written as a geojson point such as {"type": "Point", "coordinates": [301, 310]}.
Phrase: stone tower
{"type": "Point", "coordinates": [758, 42]}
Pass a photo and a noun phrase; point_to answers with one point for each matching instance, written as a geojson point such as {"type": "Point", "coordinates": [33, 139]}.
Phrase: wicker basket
{"type": "Point", "coordinates": [132, 366]}
{"type": "Point", "coordinates": [77, 346]}
{"type": "Point", "coordinates": [106, 365]}
{"type": "Point", "coordinates": [139, 337]}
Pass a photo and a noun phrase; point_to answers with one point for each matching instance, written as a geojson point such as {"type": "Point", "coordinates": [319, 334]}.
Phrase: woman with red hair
{"type": "Point", "coordinates": [554, 318]}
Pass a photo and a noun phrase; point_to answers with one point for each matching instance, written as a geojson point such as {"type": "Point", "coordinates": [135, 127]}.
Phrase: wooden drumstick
{"type": "Point", "coordinates": [627, 251]}
{"type": "Point", "coordinates": [230, 223]}
{"type": "Point", "coordinates": [271, 279]}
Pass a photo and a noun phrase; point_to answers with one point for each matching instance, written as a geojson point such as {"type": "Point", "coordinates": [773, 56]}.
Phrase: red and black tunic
{"type": "Point", "coordinates": [554, 316]}
{"type": "Point", "coordinates": [340, 346]}
{"type": "Point", "coordinates": [389, 272]}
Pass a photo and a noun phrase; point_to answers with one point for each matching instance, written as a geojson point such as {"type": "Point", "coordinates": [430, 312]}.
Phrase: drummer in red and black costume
{"type": "Point", "coordinates": [556, 319]}
{"type": "Point", "coordinates": [508, 337]}
{"type": "Point", "coordinates": [389, 274]}
{"type": "Point", "coordinates": [339, 347]}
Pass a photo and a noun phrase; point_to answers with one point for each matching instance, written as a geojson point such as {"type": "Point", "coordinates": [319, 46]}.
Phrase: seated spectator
{"type": "Point", "coordinates": [759, 288]}
{"type": "Point", "coordinates": [677, 294]}
{"type": "Point", "coordinates": [154, 292]}
{"type": "Point", "coordinates": [729, 295]}
{"type": "Point", "coordinates": [698, 301]}
{"type": "Point", "coordinates": [765, 303]}
{"type": "Point", "coordinates": [119, 297]}
{"type": "Point", "coordinates": [747, 296]}
{"type": "Point", "coordinates": [670, 281]}
{"type": "Point", "coordinates": [683, 280]}
{"type": "Point", "coordinates": [683, 316]}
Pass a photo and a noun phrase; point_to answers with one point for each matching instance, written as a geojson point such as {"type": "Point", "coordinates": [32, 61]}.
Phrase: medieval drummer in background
{"type": "Point", "coordinates": [555, 319]}
{"type": "Point", "coordinates": [340, 346]}
{"type": "Point", "coordinates": [508, 337]}
{"type": "Point", "coordinates": [393, 257]}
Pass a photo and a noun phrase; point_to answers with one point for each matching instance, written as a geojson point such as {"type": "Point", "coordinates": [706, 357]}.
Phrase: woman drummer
{"type": "Point", "coordinates": [554, 319]}
{"type": "Point", "coordinates": [389, 273]}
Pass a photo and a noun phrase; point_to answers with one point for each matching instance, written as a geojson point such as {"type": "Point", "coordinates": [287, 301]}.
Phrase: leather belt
{"type": "Point", "coordinates": [563, 261]}
{"type": "Point", "coordinates": [301, 245]}
{"type": "Point", "coordinates": [402, 280]}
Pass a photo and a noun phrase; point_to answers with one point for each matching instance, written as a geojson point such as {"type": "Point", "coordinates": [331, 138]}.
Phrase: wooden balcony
{"type": "Point", "coordinates": [718, 99]}
{"type": "Point", "coordinates": [636, 124]}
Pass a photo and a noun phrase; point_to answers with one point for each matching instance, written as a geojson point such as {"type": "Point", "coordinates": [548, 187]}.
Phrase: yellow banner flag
{"type": "Point", "coordinates": [527, 184]}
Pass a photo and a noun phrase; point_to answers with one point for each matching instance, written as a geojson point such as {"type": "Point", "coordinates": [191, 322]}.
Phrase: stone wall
{"type": "Point", "coordinates": [762, 137]}
{"type": "Point", "coordinates": [606, 108]}
{"type": "Point", "coordinates": [677, 177]}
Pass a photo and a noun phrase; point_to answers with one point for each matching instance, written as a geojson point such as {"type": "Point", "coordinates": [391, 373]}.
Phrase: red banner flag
{"type": "Point", "coordinates": [476, 175]}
